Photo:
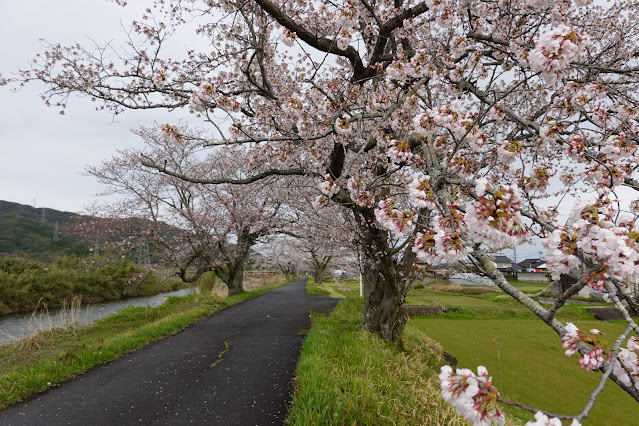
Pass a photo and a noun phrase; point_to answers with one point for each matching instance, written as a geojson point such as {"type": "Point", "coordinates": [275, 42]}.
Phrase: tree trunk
{"type": "Point", "coordinates": [236, 278]}
{"type": "Point", "coordinates": [383, 312]}
{"type": "Point", "coordinates": [318, 274]}
{"type": "Point", "coordinates": [232, 274]}
{"type": "Point", "coordinates": [385, 282]}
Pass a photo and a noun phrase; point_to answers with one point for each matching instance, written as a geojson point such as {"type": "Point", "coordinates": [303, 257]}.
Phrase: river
{"type": "Point", "coordinates": [19, 326]}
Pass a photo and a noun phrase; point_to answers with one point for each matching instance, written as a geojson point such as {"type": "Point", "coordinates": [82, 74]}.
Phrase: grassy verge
{"type": "Point", "coordinates": [39, 362]}
{"type": "Point", "coordinates": [347, 376]}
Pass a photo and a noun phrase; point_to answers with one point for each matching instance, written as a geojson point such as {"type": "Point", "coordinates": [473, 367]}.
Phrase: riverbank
{"type": "Point", "coordinates": [27, 285]}
{"type": "Point", "coordinates": [45, 360]}
{"type": "Point", "coordinates": [21, 326]}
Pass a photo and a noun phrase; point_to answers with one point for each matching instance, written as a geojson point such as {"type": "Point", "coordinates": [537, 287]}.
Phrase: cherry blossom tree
{"type": "Point", "coordinates": [213, 227]}
{"type": "Point", "coordinates": [280, 253]}
{"type": "Point", "coordinates": [449, 129]}
{"type": "Point", "coordinates": [325, 236]}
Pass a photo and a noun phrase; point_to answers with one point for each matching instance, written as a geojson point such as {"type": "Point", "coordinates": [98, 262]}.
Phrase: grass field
{"type": "Point", "coordinates": [534, 369]}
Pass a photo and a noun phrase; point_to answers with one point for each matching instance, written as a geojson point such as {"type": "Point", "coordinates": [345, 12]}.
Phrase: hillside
{"type": "Point", "coordinates": [23, 234]}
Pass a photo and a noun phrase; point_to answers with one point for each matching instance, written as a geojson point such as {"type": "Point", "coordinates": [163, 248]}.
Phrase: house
{"type": "Point", "coordinates": [504, 263]}
{"type": "Point", "coordinates": [533, 265]}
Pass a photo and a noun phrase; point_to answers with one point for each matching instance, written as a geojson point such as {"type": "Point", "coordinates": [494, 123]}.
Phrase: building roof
{"type": "Point", "coordinates": [503, 259]}
{"type": "Point", "coordinates": [532, 263]}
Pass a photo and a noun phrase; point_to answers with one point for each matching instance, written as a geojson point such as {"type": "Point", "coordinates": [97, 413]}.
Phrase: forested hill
{"type": "Point", "coordinates": [22, 232]}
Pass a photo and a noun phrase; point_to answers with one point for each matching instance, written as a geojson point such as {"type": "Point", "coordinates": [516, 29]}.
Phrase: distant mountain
{"type": "Point", "coordinates": [24, 233]}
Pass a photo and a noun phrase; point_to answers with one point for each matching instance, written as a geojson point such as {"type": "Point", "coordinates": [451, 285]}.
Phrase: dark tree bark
{"type": "Point", "coordinates": [232, 274]}
{"type": "Point", "coordinates": [385, 280]}
{"type": "Point", "coordinates": [383, 300]}
{"type": "Point", "coordinates": [320, 265]}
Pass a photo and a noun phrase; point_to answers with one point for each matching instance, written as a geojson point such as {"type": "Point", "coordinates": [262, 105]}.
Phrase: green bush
{"type": "Point", "coordinates": [206, 283]}
{"type": "Point", "coordinates": [24, 284]}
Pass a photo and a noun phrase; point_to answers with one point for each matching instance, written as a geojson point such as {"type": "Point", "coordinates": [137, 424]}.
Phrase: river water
{"type": "Point", "coordinates": [19, 326]}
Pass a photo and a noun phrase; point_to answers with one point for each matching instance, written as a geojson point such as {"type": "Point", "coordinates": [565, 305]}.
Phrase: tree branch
{"type": "Point", "coordinates": [274, 172]}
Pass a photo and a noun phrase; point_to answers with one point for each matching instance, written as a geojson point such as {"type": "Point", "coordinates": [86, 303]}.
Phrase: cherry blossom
{"type": "Point", "coordinates": [555, 50]}
{"type": "Point", "coordinates": [495, 220]}
{"type": "Point", "coordinates": [595, 357]}
{"type": "Point", "coordinates": [473, 396]}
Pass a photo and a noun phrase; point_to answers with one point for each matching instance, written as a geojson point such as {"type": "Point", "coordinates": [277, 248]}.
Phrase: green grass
{"type": "Point", "coordinates": [528, 287]}
{"type": "Point", "coordinates": [535, 370]}
{"type": "Point", "coordinates": [47, 359]}
{"type": "Point", "coordinates": [329, 288]}
{"type": "Point", "coordinates": [433, 298]}
{"type": "Point", "coordinates": [344, 376]}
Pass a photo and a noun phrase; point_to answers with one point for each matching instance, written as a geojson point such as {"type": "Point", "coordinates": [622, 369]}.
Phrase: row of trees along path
{"type": "Point", "coordinates": [448, 130]}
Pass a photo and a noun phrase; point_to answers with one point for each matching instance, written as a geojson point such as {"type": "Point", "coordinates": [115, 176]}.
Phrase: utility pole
{"type": "Point", "coordinates": [359, 262]}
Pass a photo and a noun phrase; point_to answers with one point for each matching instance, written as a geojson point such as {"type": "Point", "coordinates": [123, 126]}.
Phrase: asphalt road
{"type": "Point", "coordinates": [232, 368]}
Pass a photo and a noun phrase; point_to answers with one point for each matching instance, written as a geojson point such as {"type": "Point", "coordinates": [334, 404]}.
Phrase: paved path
{"type": "Point", "coordinates": [179, 380]}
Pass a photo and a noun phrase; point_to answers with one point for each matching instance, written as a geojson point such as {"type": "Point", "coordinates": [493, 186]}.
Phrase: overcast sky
{"type": "Point", "coordinates": [43, 154]}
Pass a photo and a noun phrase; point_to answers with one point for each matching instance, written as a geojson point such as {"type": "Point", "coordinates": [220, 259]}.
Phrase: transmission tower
{"type": "Point", "coordinates": [43, 219]}
{"type": "Point", "coordinates": [56, 233]}
{"type": "Point", "coordinates": [142, 255]}
{"type": "Point", "coordinates": [96, 246]}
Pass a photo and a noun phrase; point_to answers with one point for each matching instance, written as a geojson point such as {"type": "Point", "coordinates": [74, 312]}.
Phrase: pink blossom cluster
{"type": "Point", "coordinates": [593, 359]}
{"type": "Point", "coordinates": [626, 366]}
{"type": "Point", "coordinates": [292, 106]}
{"type": "Point", "coordinates": [343, 39]}
{"type": "Point", "coordinates": [343, 126]}
{"type": "Point", "coordinates": [555, 51]}
{"type": "Point", "coordinates": [393, 219]}
{"type": "Point", "coordinates": [159, 78]}
{"type": "Point", "coordinates": [495, 220]}
{"type": "Point", "coordinates": [360, 196]}
{"type": "Point", "coordinates": [420, 65]}
{"type": "Point", "coordinates": [328, 186]}
{"type": "Point", "coordinates": [473, 396]}
{"type": "Point", "coordinates": [399, 151]}
{"type": "Point", "coordinates": [562, 251]}
{"type": "Point", "coordinates": [346, 18]}
{"type": "Point", "coordinates": [542, 419]}
{"type": "Point", "coordinates": [439, 246]}
{"type": "Point", "coordinates": [616, 147]}
{"type": "Point", "coordinates": [421, 193]}
{"type": "Point", "coordinates": [575, 146]}
{"type": "Point", "coordinates": [171, 132]}
{"type": "Point", "coordinates": [201, 97]}
{"type": "Point", "coordinates": [592, 229]}
{"type": "Point", "coordinates": [508, 150]}
{"type": "Point", "coordinates": [287, 37]}
{"type": "Point", "coordinates": [448, 117]}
